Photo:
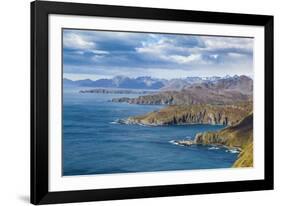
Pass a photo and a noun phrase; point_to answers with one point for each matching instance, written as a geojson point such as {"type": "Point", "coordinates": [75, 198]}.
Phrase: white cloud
{"type": "Point", "coordinates": [74, 41]}
{"type": "Point", "coordinates": [214, 56]}
{"type": "Point", "coordinates": [164, 49]}
{"type": "Point", "coordinates": [185, 59]}
{"type": "Point", "coordinates": [97, 58]}
{"type": "Point", "coordinates": [213, 47]}
{"type": "Point", "coordinates": [161, 46]}
{"type": "Point", "coordinates": [94, 51]}
{"type": "Point", "coordinates": [117, 52]}
{"type": "Point", "coordinates": [213, 43]}
{"type": "Point", "coordinates": [157, 48]}
{"type": "Point", "coordinates": [235, 55]}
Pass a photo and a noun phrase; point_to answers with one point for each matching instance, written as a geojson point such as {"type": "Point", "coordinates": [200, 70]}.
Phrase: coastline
{"type": "Point", "coordinates": [236, 136]}
{"type": "Point", "coordinates": [225, 114]}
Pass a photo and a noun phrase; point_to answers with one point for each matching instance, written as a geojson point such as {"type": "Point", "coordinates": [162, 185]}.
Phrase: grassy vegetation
{"type": "Point", "coordinates": [245, 158]}
{"type": "Point", "coordinates": [239, 135]}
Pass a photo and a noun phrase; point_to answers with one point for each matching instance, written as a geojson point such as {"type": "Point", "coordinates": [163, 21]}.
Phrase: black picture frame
{"type": "Point", "coordinates": [40, 112]}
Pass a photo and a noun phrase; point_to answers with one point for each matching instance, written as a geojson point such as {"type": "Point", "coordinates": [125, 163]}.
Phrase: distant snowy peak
{"type": "Point", "coordinates": [242, 84]}
{"type": "Point", "coordinates": [213, 78]}
{"type": "Point", "coordinates": [147, 82]}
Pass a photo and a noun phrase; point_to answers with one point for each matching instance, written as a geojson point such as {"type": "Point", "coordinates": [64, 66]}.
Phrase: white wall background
{"type": "Point", "coordinates": [14, 102]}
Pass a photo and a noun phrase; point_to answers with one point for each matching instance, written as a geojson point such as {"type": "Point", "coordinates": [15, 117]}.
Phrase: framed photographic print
{"type": "Point", "coordinates": [131, 102]}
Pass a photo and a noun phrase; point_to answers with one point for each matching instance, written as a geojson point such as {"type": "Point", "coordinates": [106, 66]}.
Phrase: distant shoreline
{"type": "Point", "coordinates": [118, 91]}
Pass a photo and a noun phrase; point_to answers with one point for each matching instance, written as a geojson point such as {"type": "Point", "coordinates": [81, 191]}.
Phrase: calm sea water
{"type": "Point", "coordinates": [93, 143]}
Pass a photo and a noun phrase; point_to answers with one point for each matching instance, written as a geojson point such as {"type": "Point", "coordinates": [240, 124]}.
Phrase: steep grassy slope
{"type": "Point", "coordinates": [239, 135]}
{"type": "Point", "coordinates": [245, 158]}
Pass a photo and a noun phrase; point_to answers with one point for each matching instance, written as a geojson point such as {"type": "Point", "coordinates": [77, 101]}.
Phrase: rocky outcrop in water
{"type": "Point", "coordinates": [120, 100]}
{"type": "Point", "coordinates": [184, 142]}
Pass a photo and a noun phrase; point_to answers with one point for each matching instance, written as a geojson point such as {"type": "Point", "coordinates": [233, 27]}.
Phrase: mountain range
{"type": "Point", "coordinates": [148, 83]}
{"type": "Point", "coordinates": [119, 82]}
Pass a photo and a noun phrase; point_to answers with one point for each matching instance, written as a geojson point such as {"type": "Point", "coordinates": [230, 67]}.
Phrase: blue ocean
{"type": "Point", "coordinates": [94, 143]}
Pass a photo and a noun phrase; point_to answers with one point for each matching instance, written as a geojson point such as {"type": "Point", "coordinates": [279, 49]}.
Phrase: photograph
{"type": "Point", "coordinates": [132, 102]}
{"type": "Point", "coordinates": [155, 102]}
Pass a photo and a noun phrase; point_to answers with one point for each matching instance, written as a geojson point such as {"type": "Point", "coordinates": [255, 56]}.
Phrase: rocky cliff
{"type": "Point", "coordinates": [240, 135]}
{"type": "Point", "coordinates": [194, 114]}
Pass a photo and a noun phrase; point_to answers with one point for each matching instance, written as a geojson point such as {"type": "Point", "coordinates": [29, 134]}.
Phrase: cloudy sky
{"type": "Point", "coordinates": [104, 54]}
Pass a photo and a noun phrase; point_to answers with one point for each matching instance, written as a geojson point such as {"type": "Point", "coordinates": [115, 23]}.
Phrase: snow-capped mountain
{"type": "Point", "coordinates": [146, 82]}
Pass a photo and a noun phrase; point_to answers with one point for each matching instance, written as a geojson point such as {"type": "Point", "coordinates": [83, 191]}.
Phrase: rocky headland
{"type": "Point", "coordinates": [238, 137]}
{"type": "Point", "coordinates": [194, 114]}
